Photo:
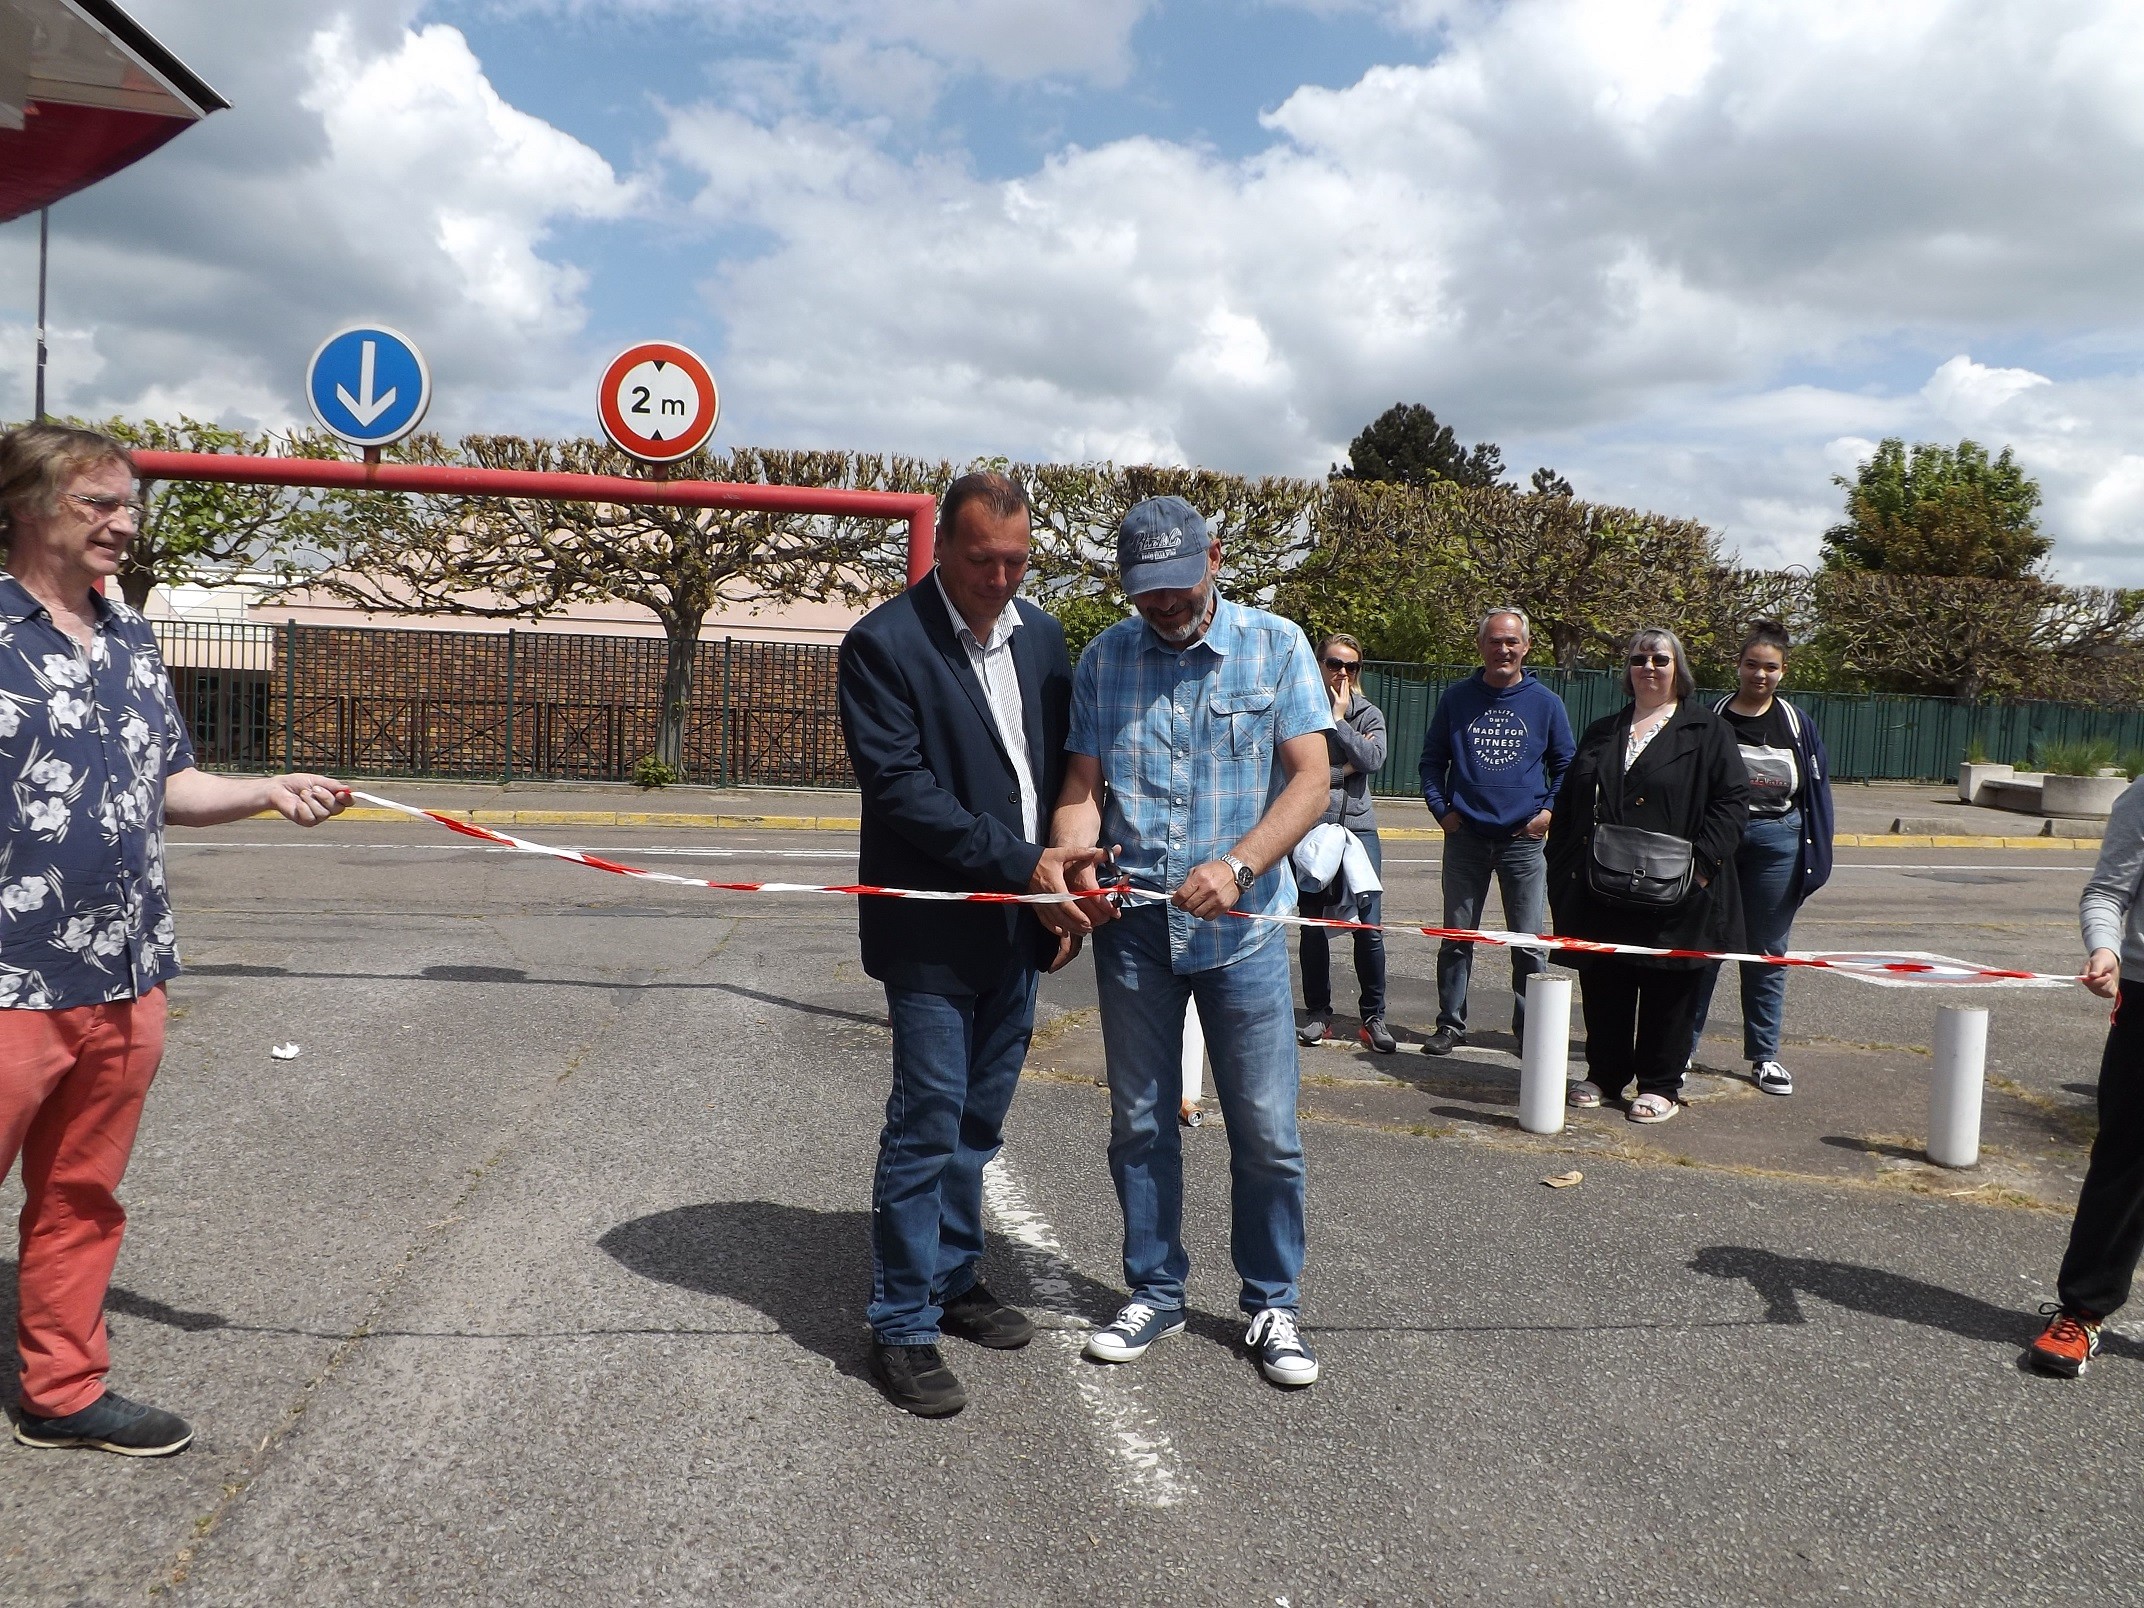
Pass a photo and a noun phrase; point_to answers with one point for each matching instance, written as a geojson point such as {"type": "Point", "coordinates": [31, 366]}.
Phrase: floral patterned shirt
{"type": "Point", "coordinates": [87, 736]}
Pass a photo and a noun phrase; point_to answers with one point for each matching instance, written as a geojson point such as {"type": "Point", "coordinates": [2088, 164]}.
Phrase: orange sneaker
{"type": "Point", "coordinates": [2066, 1346]}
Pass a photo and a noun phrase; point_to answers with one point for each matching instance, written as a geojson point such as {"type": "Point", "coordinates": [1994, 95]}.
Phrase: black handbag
{"type": "Point", "coordinates": [1634, 869]}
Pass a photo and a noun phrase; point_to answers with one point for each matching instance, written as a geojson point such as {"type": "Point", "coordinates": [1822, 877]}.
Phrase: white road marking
{"type": "Point", "coordinates": [1148, 1471]}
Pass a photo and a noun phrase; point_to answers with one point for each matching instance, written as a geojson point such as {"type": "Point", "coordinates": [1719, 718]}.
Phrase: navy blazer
{"type": "Point", "coordinates": [941, 803]}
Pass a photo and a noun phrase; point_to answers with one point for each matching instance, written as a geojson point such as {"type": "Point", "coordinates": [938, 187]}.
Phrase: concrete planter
{"type": "Point", "coordinates": [1974, 775]}
{"type": "Point", "coordinates": [2080, 795]}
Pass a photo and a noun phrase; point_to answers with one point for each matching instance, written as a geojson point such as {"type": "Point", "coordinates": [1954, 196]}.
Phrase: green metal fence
{"type": "Point", "coordinates": [555, 706]}
{"type": "Point", "coordinates": [1870, 736]}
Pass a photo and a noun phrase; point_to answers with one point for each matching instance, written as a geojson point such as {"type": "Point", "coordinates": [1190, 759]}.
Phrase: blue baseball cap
{"type": "Point", "coordinates": [1161, 547]}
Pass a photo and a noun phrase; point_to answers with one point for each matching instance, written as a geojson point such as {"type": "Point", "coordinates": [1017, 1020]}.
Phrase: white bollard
{"type": "Point", "coordinates": [1194, 1054]}
{"type": "Point", "coordinates": [1961, 1059]}
{"type": "Point", "coordinates": [1546, 1062]}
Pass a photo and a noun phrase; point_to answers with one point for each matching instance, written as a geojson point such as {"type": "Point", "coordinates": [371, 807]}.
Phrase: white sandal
{"type": "Point", "coordinates": [1652, 1108]}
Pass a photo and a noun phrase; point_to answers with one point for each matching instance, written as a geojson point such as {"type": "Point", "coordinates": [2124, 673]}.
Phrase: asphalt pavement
{"type": "Point", "coordinates": [538, 1277]}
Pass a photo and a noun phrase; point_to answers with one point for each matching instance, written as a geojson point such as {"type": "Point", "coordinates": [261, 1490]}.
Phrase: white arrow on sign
{"type": "Point", "coordinates": [364, 412]}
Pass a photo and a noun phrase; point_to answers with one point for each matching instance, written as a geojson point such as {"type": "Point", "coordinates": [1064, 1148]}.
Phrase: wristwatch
{"type": "Point", "coordinates": [1245, 876]}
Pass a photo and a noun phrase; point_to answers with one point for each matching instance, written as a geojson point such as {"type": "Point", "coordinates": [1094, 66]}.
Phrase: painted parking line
{"type": "Point", "coordinates": [1147, 1471]}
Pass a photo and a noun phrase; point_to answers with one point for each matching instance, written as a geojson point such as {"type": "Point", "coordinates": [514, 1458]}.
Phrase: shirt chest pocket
{"type": "Point", "coordinates": [1243, 721]}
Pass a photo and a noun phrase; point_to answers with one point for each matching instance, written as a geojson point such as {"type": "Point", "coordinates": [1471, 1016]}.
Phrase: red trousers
{"type": "Point", "coordinates": [72, 1084]}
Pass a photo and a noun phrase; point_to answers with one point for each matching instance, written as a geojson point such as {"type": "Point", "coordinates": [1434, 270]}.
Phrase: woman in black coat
{"type": "Point", "coordinates": [1663, 764]}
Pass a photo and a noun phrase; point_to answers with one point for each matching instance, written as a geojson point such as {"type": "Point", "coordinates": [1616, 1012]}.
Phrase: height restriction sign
{"type": "Point", "coordinates": [657, 402]}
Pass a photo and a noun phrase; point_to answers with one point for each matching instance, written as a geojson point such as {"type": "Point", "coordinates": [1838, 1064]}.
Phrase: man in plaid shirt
{"type": "Point", "coordinates": [1206, 720]}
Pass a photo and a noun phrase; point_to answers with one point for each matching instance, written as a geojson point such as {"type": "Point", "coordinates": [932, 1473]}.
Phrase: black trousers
{"type": "Point", "coordinates": [1638, 1021]}
{"type": "Point", "coordinates": [2108, 1234]}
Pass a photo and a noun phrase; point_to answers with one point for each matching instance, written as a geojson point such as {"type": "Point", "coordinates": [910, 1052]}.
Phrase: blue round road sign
{"type": "Point", "coordinates": [368, 384]}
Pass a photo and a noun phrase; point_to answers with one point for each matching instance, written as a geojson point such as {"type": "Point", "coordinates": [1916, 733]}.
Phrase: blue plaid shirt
{"type": "Point", "coordinates": [87, 736]}
{"type": "Point", "coordinates": [1189, 743]}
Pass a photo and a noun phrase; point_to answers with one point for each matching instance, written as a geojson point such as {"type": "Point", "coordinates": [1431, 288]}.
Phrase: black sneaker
{"type": "Point", "coordinates": [1443, 1042]}
{"type": "Point", "coordinates": [916, 1379]}
{"type": "Point", "coordinates": [1377, 1036]}
{"type": "Point", "coordinates": [975, 1314]}
{"type": "Point", "coordinates": [111, 1423]}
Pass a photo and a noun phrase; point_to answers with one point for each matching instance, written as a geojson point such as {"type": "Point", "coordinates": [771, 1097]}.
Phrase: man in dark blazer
{"type": "Point", "coordinates": [955, 698]}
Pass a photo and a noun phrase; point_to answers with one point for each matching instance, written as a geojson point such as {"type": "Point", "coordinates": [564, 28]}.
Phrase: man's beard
{"type": "Point", "coordinates": [1201, 607]}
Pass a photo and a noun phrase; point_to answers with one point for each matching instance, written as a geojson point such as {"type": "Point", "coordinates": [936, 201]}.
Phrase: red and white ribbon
{"type": "Point", "coordinates": [1907, 969]}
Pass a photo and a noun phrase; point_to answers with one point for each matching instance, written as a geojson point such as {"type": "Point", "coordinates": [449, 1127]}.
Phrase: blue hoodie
{"type": "Point", "coordinates": [1495, 754]}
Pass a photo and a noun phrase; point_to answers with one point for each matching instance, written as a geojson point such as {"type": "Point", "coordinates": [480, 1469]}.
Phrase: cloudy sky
{"type": "Point", "coordinates": [1697, 256]}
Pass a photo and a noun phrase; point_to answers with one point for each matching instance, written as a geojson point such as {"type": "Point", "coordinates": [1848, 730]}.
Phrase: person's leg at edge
{"type": "Point", "coordinates": [1370, 946]}
{"type": "Point", "coordinates": [1004, 1022]}
{"type": "Point", "coordinates": [1666, 998]}
{"type": "Point", "coordinates": [2107, 1235]}
{"type": "Point", "coordinates": [1257, 1079]}
{"type": "Point", "coordinates": [1142, 1003]}
{"type": "Point", "coordinates": [1766, 864]}
{"type": "Point", "coordinates": [1608, 997]}
{"type": "Point", "coordinates": [932, 1035]}
{"type": "Point", "coordinates": [1468, 862]}
{"type": "Point", "coordinates": [1522, 876]}
{"type": "Point", "coordinates": [74, 1152]}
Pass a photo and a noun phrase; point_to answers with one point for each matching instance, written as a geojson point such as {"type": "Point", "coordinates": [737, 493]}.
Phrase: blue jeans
{"type": "Point", "coordinates": [1521, 870]}
{"type": "Point", "coordinates": [1765, 864]}
{"type": "Point", "coordinates": [1250, 1038]}
{"type": "Point", "coordinates": [1369, 948]}
{"type": "Point", "coordinates": [956, 1062]}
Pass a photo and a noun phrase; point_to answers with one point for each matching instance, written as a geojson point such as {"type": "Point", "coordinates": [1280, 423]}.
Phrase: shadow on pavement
{"type": "Point", "coordinates": [1783, 1280]}
{"type": "Point", "coordinates": [809, 1271]}
{"type": "Point", "coordinates": [1875, 1147]}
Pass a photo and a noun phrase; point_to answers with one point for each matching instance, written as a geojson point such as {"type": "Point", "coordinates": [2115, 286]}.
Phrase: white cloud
{"type": "Point", "coordinates": [1585, 231]}
{"type": "Point", "coordinates": [367, 171]}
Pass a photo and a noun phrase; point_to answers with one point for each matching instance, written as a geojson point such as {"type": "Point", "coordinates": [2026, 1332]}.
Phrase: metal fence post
{"type": "Point", "coordinates": [290, 695]}
{"type": "Point", "coordinates": [510, 634]}
{"type": "Point", "coordinates": [722, 768]}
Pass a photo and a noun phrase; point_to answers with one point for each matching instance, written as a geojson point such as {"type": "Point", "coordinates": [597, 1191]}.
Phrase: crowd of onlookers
{"type": "Point", "coordinates": [1667, 825]}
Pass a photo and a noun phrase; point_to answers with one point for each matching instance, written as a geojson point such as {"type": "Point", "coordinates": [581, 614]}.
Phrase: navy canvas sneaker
{"type": "Point", "coordinates": [1132, 1330]}
{"type": "Point", "coordinates": [1276, 1339]}
{"type": "Point", "coordinates": [111, 1423]}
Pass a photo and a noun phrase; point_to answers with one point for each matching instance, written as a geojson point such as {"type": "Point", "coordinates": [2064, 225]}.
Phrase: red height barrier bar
{"type": "Point", "coordinates": [444, 480]}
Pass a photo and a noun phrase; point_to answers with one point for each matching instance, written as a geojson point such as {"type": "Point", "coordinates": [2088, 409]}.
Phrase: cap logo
{"type": "Point", "coordinates": [1152, 546]}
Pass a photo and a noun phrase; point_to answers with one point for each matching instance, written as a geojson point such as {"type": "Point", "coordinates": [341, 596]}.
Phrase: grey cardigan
{"type": "Point", "coordinates": [2110, 910]}
{"type": "Point", "coordinates": [1359, 740]}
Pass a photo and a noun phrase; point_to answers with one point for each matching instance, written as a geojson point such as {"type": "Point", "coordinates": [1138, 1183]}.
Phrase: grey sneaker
{"type": "Point", "coordinates": [1771, 1077]}
{"type": "Point", "coordinates": [111, 1423]}
{"type": "Point", "coordinates": [1131, 1331]}
{"type": "Point", "coordinates": [1377, 1036]}
{"type": "Point", "coordinates": [1276, 1339]}
{"type": "Point", "coordinates": [1314, 1030]}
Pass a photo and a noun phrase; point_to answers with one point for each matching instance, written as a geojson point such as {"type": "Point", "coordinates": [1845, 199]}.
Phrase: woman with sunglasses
{"type": "Point", "coordinates": [1640, 851]}
{"type": "Point", "coordinates": [1786, 849]}
{"type": "Point", "coordinates": [1356, 747]}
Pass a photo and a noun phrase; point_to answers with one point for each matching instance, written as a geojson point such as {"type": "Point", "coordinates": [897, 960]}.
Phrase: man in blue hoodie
{"type": "Point", "coordinates": [1493, 756]}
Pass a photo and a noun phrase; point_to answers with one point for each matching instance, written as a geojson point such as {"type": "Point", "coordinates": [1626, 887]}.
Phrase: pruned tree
{"type": "Point", "coordinates": [195, 530]}
{"type": "Point", "coordinates": [525, 557]}
{"type": "Point", "coordinates": [1938, 511]}
{"type": "Point", "coordinates": [1405, 445]}
{"type": "Point", "coordinates": [1966, 637]}
{"type": "Point", "coordinates": [1263, 523]}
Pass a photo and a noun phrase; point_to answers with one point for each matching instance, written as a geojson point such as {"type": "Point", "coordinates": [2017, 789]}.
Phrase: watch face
{"type": "Point", "coordinates": [1245, 876]}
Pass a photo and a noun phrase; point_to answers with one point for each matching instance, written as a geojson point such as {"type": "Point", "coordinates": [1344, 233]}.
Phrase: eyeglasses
{"type": "Point", "coordinates": [1343, 664]}
{"type": "Point", "coordinates": [1653, 661]}
{"type": "Point", "coordinates": [106, 507]}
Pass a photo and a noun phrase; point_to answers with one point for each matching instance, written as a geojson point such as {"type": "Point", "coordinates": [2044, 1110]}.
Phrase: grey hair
{"type": "Point", "coordinates": [1526, 626]}
{"type": "Point", "coordinates": [1646, 639]}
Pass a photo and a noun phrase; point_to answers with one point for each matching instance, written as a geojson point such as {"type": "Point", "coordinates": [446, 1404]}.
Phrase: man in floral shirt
{"type": "Point", "coordinates": [94, 759]}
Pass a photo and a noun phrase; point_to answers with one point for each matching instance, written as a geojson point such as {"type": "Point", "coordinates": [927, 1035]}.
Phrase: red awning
{"type": "Point", "coordinates": [84, 91]}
